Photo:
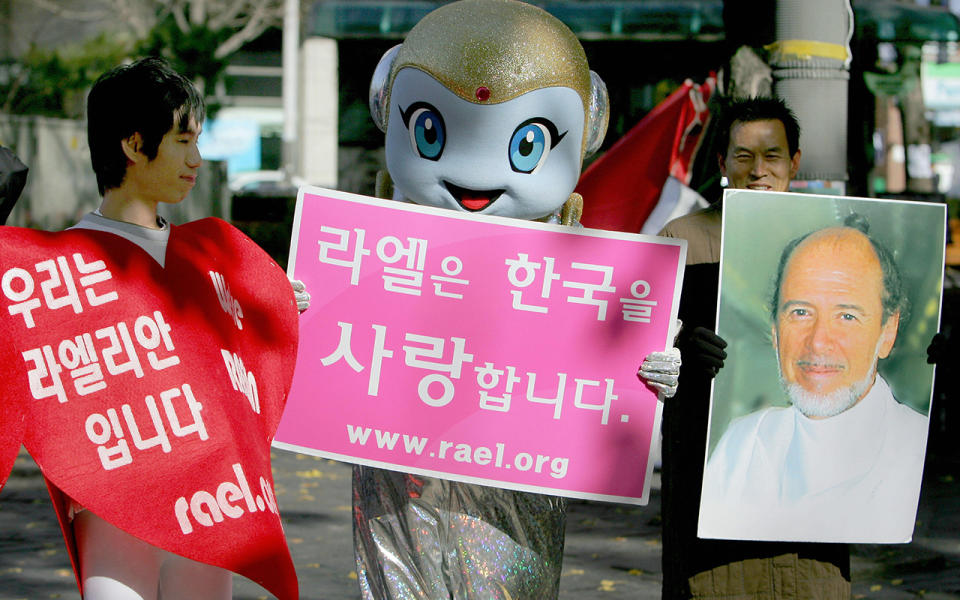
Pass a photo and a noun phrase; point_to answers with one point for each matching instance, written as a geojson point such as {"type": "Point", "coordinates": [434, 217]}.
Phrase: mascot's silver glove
{"type": "Point", "coordinates": [301, 294]}
{"type": "Point", "coordinates": [661, 370]}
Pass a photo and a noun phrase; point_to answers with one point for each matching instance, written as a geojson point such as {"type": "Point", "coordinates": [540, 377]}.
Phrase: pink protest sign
{"type": "Point", "coordinates": [481, 349]}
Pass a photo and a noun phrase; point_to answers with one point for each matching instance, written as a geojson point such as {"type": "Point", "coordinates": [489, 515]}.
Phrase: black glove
{"type": "Point", "coordinates": [702, 350]}
{"type": "Point", "coordinates": [940, 347]}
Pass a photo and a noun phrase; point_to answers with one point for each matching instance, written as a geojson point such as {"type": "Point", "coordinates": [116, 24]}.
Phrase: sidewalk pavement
{"type": "Point", "coordinates": [612, 550]}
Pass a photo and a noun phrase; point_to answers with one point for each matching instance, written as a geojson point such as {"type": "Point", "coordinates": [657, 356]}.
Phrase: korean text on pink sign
{"type": "Point", "coordinates": [481, 349]}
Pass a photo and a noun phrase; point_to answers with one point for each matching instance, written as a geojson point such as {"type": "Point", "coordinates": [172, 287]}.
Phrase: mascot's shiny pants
{"type": "Point", "coordinates": [430, 539]}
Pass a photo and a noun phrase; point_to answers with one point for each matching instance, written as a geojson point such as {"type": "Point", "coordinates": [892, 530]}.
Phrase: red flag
{"type": "Point", "coordinates": [621, 188]}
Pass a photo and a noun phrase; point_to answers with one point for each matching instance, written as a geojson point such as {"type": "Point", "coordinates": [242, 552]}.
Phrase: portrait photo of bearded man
{"type": "Point", "coordinates": [843, 460]}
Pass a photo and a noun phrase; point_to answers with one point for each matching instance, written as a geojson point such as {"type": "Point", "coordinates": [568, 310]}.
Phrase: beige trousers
{"type": "Point", "coordinates": [784, 577]}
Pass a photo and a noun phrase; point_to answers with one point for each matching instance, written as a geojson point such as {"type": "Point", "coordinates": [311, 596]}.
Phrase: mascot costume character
{"type": "Point", "coordinates": [488, 107]}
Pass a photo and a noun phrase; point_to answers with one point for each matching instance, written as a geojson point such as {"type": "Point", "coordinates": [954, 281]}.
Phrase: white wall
{"type": "Point", "coordinates": [317, 130]}
{"type": "Point", "coordinates": [61, 185]}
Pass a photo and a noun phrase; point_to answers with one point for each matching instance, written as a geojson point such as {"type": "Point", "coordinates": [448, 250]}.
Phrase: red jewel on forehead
{"type": "Point", "coordinates": [483, 93]}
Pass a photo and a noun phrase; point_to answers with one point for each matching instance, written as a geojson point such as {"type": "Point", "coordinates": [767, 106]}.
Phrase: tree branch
{"type": "Point", "coordinates": [264, 16]}
{"type": "Point", "coordinates": [138, 23]}
{"type": "Point", "coordinates": [179, 18]}
{"type": "Point", "coordinates": [74, 15]}
{"type": "Point", "coordinates": [225, 17]}
{"type": "Point", "coordinates": [198, 12]}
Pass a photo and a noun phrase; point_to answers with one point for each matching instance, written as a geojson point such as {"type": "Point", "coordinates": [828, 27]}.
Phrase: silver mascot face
{"type": "Point", "coordinates": [488, 106]}
{"type": "Point", "coordinates": [519, 158]}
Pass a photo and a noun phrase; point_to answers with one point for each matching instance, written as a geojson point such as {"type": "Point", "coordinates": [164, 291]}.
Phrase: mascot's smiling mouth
{"type": "Point", "coordinates": [472, 200]}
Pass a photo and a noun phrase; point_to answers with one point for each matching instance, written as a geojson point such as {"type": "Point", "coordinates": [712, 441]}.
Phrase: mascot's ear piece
{"type": "Point", "coordinates": [598, 114]}
{"type": "Point", "coordinates": [380, 88]}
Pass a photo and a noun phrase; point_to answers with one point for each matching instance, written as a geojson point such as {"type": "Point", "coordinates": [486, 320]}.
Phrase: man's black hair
{"type": "Point", "coordinates": [145, 96]}
{"type": "Point", "coordinates": [760, 108]}
{"type": "Point", "coordinates": [894, 298]}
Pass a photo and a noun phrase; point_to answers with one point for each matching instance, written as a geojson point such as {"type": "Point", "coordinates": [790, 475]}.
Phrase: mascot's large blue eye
{"type": "Point", "coordinates": [531, 144]}
{"type": "Point", "coordinates": [427, 132]}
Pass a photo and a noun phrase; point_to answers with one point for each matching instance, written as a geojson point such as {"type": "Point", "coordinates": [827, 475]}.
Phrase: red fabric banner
{"type": "Point", "coordinates": [621, 188]}
{"type": "Point", "coordinates": [11, 435]}
{"type": "Point", "coordinates": [152, 393]}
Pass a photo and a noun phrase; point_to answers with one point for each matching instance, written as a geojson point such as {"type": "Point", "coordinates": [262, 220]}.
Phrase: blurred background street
{"type": "Point", "coordinates": [612, 550]}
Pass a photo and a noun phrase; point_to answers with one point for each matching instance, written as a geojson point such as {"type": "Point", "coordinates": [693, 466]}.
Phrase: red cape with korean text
{"type": "Point", "coordinates": [150, 394]}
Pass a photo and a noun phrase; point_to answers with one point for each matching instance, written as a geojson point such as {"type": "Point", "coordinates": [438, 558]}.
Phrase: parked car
{"type": "Point", "coordinates": [263, 203]}
{"type": "Point", "coordinates": [262, 196]}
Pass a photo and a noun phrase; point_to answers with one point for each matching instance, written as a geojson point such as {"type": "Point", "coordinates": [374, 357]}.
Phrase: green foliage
{"type": "Point", "coordinates": [54, 83]}
{"type": "Point", "coordinates": [191, 53]}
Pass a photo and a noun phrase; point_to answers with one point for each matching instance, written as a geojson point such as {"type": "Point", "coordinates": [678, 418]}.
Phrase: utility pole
{"type": "Point", "coordinates": [811, 72]}
{"type": "Point", "coordinates": [291, 117]}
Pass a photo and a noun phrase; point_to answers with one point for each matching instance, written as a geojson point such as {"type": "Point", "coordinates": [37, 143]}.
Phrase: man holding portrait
{"type": "Point", "coordinates": [843, 462]}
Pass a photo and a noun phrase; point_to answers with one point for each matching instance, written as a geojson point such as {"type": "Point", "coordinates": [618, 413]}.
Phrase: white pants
{"type": "Point", "coordinates": [115, 565]}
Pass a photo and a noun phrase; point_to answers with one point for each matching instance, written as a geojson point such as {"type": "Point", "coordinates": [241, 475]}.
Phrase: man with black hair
{"type": "Point", "coordinates": [143, 121]}
{"type": "Point", "coordinates": [845, 460]}
{"type": "Point", "coordinates": [759, 140]}
{"type": "Point", "coordinates": [130, 529]}
{"type": "Point", "coordinates": [759, 149]}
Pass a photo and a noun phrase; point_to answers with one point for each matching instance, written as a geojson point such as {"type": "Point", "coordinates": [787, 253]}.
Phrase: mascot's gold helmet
{"type": "Point", "coordinates": [491, 51]}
